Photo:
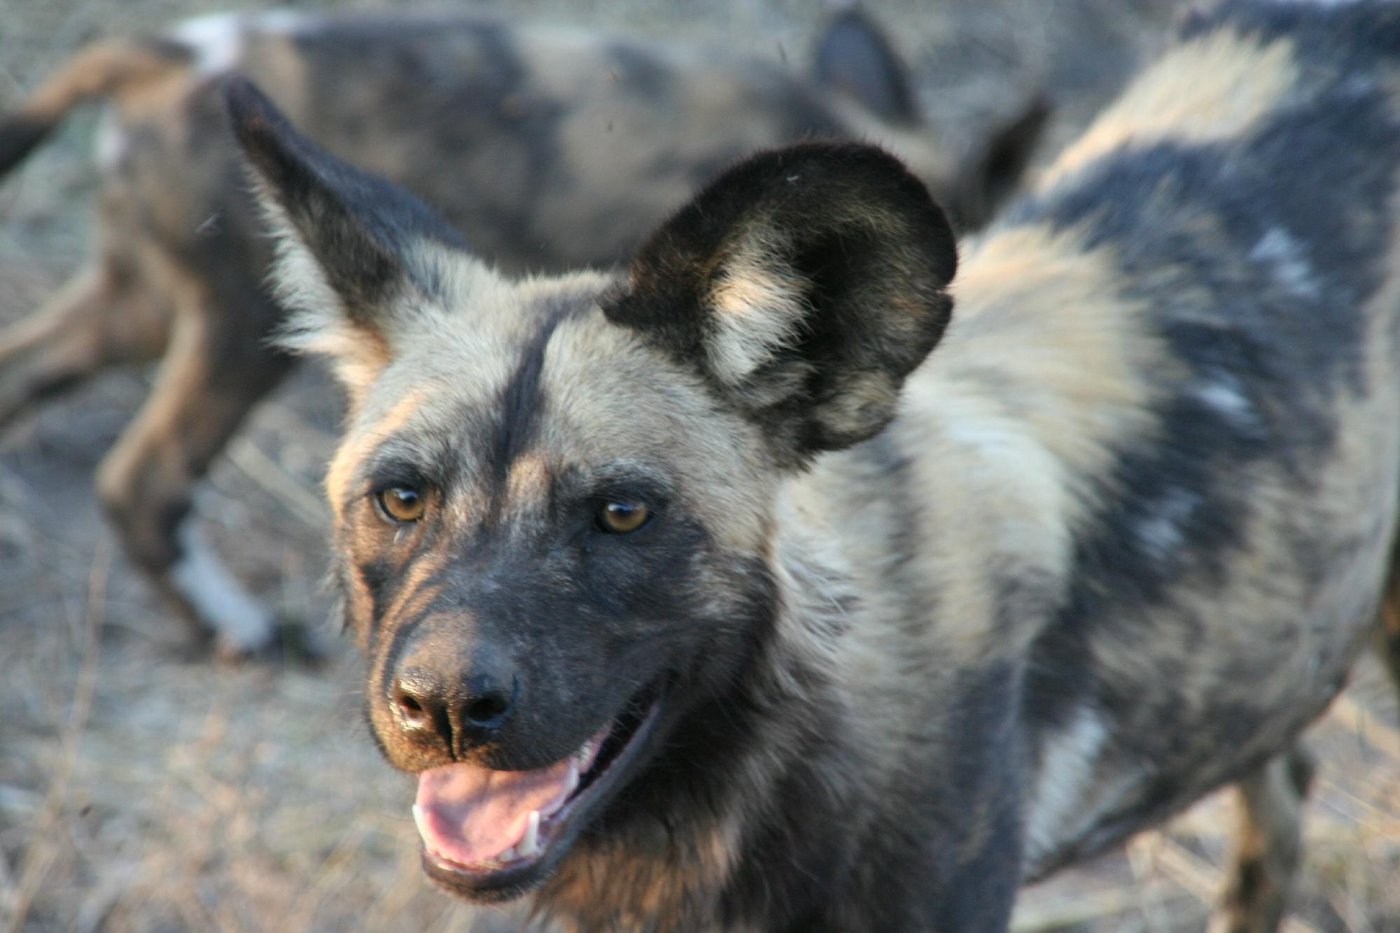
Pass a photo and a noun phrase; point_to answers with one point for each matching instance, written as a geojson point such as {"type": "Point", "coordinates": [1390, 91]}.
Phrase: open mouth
{"type": "Point", "coordinates": [487, 832]}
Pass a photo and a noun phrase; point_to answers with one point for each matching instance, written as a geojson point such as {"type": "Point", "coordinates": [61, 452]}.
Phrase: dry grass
{"type": "Point", "coordinates": [140, 790]}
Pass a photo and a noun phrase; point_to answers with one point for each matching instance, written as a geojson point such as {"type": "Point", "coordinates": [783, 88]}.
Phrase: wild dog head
{"type": "Point", "coordinates": [553, 502]}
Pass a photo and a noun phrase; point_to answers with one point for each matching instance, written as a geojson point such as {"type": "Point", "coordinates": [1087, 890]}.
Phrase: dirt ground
{"type": "Point", "coordinates": [144, 789]}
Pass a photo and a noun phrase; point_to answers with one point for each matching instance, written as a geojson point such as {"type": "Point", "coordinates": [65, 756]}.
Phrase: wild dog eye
{"type": "Point", "coordinates": [621, 516]}
{"type": "Point", "coordinates": [402, 504]}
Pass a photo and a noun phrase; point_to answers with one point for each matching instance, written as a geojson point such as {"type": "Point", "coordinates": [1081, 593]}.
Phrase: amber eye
{"type": "Point", "coordinates": [620, 517]}
{"type": "Point", "coordinates": [401, 503]}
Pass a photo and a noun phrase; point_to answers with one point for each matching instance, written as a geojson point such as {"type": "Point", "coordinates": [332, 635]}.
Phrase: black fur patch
{"type": "Point", "coordinates": [981, 813]}
{"type": "Point", "coordinates": [378, 577]}
{"type": "Point", "coordinates": [18, 137]}
{"type": "Point", "coordinates": [523, 400]}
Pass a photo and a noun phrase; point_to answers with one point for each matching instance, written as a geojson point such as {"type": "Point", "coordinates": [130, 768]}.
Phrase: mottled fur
{"type": "Point", "coordinates": [1115, 544]}
{"type": "Point", "coordinates": [550, 148]}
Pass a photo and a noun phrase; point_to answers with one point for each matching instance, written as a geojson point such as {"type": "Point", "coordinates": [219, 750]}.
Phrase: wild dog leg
{"type": "Point", "coordinates": [1388, 644]}
{"type": "Point", "coordinates": [1268, 845]}
{"type": "Point", "coordinates": [216, 368]}
{"type": "Point", "coordinates": [93, 321]}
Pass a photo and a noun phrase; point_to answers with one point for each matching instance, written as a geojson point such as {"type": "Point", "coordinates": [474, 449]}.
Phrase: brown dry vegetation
{"type": "Point", "coordinates": [141, 789]}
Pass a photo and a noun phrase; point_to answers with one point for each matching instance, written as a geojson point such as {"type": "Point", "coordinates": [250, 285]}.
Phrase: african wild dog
{"type": "Point", "coordinates": [696, 598]}
{"type": "Point", "coordinates": [551, 148]}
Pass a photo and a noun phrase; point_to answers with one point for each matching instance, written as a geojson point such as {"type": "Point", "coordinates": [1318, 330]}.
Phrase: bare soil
{"type": "Point", "coordinates": [142, 788]}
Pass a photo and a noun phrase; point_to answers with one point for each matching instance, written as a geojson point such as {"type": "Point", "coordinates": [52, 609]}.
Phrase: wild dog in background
{"type": "Point", "coordinates": [697, 598]}
{"type": "Point", "coordinates": [550, 148]}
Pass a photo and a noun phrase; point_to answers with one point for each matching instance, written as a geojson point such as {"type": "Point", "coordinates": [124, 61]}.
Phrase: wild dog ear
{"type": "Point", "coordinates": [995, 168]}
{"type": "Point", "coordinates": [855, 58]}
{"type": "Point", "coordinates": [356, 255]}
{"type": "Point", "coordinates": [805, 283]}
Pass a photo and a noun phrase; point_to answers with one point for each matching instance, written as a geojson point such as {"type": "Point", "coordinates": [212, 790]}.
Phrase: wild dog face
{"type": "Point", "coordinates": [554, 499]}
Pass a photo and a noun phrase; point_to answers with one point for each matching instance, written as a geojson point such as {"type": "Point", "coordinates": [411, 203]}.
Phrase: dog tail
{"type": "Point", "coordinates": [101, 70]}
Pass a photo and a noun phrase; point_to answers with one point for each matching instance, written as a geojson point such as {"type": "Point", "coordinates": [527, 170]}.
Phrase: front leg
{"type": "Point", "coordinates": [1268, 845]}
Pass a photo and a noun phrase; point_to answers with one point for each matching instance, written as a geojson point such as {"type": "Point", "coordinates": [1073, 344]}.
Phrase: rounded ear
{"type": "Point", "coordinates": [805, 284]}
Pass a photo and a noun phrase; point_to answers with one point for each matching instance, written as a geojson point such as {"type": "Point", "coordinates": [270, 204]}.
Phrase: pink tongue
{"type": "Point", "coordinates": [471, 814]}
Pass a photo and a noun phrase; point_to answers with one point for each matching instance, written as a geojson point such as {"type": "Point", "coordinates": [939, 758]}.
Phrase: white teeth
{"type": "Point", "coordinates": [419, 819]}
{"type": "Point", "coordinates": [588, 754]}
{"type": "Point", "coordinates": [530, 843]}
{"type": "Point", "coordinates": [571, 783]}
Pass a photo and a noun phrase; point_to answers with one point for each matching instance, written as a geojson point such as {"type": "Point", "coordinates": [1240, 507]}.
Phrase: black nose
{"type": "Point", "coordinates": [460, 706]}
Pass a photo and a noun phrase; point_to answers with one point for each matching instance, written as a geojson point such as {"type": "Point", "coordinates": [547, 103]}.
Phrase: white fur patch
{"type": "Point", "coordinates": [1066, 769]}
{"type": "Point", "coordinates": [111, 141]}
{"type": "Point", "coordinates": [238, 619]}
{"type": "Point", "coordinates": [1286, 256]}
{"type": "Point", "coordinates": [218, 39]}
{"type": "Point", "coordinates": [1161, 533]}
{"type": "Point", "coordinates": [1226, 397]}
{"type": "Point", "coordinates": [319, 323]}
{"type": "Point", "coordinates": [758, 311]}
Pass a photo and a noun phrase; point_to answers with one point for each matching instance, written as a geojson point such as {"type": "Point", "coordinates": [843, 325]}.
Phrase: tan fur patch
{"type": "Point", "coordinates": [283, 72]}
{"type": "Point", "coordinates": [1042, 322]}
{"type": "Point", "coordinates": [98, 69]}
{"type": "Point", "coordinates": [527, 483]}
{"type": "Point", "coordinates": [353, 450]}
{"type": "Point", "coordinates": [1215, 87]}
{"type": "Point", "coordinates": [759, 310]}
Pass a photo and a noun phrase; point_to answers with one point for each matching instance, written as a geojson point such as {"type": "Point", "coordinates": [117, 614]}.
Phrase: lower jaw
{"type": "Point", "coordinates": [495, 887]}
{"type": "Point", "coordinates": [515, 880]}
